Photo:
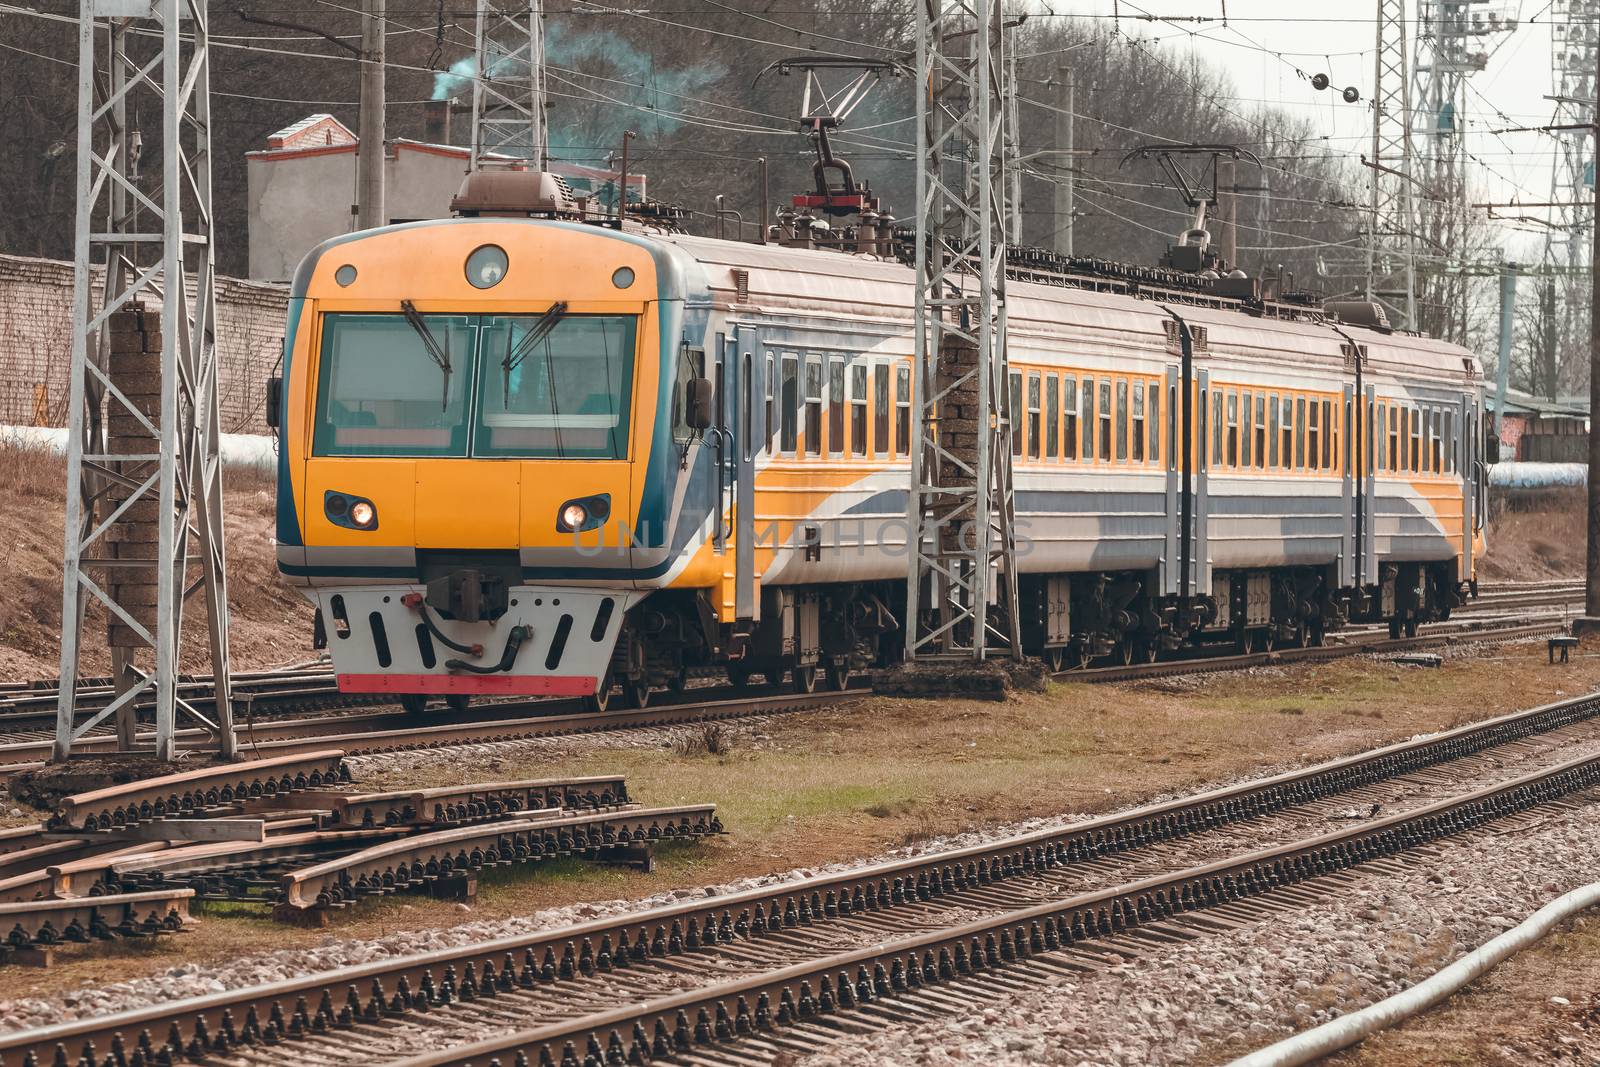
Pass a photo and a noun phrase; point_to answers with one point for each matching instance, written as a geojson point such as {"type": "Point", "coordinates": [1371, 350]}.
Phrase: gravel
{"type": "Point", "coordinates": [1207, 1000]}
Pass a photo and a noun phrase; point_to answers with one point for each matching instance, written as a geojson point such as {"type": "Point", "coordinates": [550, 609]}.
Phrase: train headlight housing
{"type": "Point", "coordinates": [486, 266]}
{"type": "Point", "coordinates": [584, 513]}
{"type": "Point", "coordinates": [351, 512]}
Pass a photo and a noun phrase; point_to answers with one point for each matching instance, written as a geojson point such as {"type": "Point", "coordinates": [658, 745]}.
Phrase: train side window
{"type": "Point", "coordinates": [1261, 432]}
{"type": "Point", "coordinates": [1287, 433]}
{"type": "Point", "coordinates": [1233, 428]}
{"type": "Point", "coordinates": [1380, 440]}
{"type": "Point", "coordinates": [1330, 436]}
{"type": "Point", "coordinates": [1449, 441]}
{"type": "Point", "coordinates": [1138, 422]}
{"type": "Point", "coordinates": [1154, 453]}
{"type": "Point", "coordinates": [1217, 454]}
{"type": "Point", "coordinates": [1014, 412]}
{"type": "Point", "coordinates": [1313, 436]}
{"type": "Point", "coordinates": [880, 411]}
{"type": "Point", "coordinates": [1052, 422]}
{"type": "Point", "coordinates": [1069, 407]}
{"type": "Point", "coordinates": [1247, 431]}
{"type": "Point", "coordinates": [858, 408]}
{"type": "Point", "coordinates": [772, 399]}
{"type": "Point", "coordinates": [902, 410]}
{"type": "Point", "coordinates": [1416, 441]}
{"type": "Point", "coordinates": [1300, 433]}
{"type": "Point", "coordinates": [1272, 431]}
{"type": "Point", "coordinates": [1034, 419]}
{"type": "Point", "coordinates": [1122, 421]}
{"type": "Point", "coordinates": [1172, 427]}
{"type": "Point", "coordinates": [1394, 438]}
{"type": "Point", "coordinates": [1104, 451]}
{"type": "Point", "coordinates": [836, 406]}
{"type": "Point", "coordinates": [813, 427]}
{"type": "Point", "coordinates": [791, 403]}
{"type": "Point", "coordinates": [1088, 419]}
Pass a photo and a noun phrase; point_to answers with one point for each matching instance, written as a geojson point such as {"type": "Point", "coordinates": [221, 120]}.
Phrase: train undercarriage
{"type": "Point", "coordinates": [822, 636]}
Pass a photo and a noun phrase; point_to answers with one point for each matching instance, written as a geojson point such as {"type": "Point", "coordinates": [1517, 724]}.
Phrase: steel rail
{"type": "Point", "coordinates": [579, 950]}
{"type": "Point", "coordinates": [44, 923]}
{"type": "Point", "coordinates": [719, 1014]}
{"type": "Point", "coordinates": [298, 736]}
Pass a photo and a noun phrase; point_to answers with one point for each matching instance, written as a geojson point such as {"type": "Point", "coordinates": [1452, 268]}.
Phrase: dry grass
{"type": "Point", "coordinates": [271, 622]}
{"type": "Point", "coordinates": [837, 785]}
{"type": "Point", "coordinates": [1537, 536]}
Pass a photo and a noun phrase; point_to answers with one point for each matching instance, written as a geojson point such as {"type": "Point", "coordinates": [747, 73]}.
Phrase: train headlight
{"type": "Point", "coordinates": [486, 266]}
{"type": "Point", "coordinates": [351, 512]}
{"type": "Point", "coordinates": [585, 513]}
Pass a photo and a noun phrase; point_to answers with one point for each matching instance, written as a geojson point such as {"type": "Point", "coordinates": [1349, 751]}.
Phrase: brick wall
{"type": "Point", "coordinates": [36, 344]}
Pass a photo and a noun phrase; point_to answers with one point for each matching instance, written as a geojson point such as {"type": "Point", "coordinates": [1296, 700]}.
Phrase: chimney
{"type": "Point", "coordinates": [436, 121]}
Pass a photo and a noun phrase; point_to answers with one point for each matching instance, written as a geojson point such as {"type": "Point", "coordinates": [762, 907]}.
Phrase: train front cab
{"type": "Point", "coordinates": [471, 456]}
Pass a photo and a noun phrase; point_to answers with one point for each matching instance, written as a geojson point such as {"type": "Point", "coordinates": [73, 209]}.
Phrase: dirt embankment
{"type": "Point", "coordinates": [271, 623]}
{"type": "Point", "coordinates": [1536, 538]}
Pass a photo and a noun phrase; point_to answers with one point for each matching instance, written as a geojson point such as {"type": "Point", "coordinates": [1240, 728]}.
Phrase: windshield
{"type": "Point", "coordinates": [532, 386]}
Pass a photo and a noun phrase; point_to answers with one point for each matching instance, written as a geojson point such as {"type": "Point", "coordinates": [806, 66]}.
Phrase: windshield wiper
{"type": "Point", "coordinates": [440, 356]}
{"type": "Point", "coordinates": [536, 333]}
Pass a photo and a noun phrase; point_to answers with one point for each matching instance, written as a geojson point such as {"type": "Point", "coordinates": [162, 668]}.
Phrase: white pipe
{"type": "Point", "coordinates": [238, 449]}
{"type": "Point", "coordinates": [1343, 1032]}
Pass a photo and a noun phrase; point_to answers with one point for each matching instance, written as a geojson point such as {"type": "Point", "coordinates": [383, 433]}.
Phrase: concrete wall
{"type": "Point", "coordinates": [36, 344]}
{"type": "Point", "coordinates": [298, 201]}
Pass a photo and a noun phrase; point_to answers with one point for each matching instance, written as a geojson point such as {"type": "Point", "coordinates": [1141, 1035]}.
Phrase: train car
{"type": "Point", "coordinates": [523, 453]}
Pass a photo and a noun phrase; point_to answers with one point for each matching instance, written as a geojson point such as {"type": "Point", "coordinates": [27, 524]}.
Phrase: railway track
{"type": "Point", "coordinates": [1011, 911]}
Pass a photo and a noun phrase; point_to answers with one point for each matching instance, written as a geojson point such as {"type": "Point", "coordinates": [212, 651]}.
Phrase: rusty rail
{"type": "Point", "coordinates": [719, 1015]}
{"type": "Point", "coordinates": [553, 955]}
{"type": "Point", "coordinates": [43, 923]}
{"type": "Point", "coordinates": [477, 802]}
{"type": "Point", "coordinates": [412, 862]}
{"type": "Point", "coordinates": [196, 792]}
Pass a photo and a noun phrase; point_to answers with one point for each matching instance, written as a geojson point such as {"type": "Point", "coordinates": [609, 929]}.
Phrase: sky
{"type": "Point", "coordinates": [1271, 49]}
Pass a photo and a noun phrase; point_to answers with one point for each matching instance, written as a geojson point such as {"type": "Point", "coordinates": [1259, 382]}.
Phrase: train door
{"type": "Point", "coordinates": [1208, 413]}
{"type": "Point", "coordinates": [724, 430]}
{"type": "Point", "coordinates": [1171, 569]}
{"type": "Point", "coordinates": [1367, 547]}
{"type": "Point", "coordinates": [1350, 489]}
{"type": "Point", "coordinates": [751, 434]}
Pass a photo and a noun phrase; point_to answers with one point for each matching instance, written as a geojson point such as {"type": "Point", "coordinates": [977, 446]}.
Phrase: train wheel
{"type": "Point", "coordinates": [1394, 629]}
{"type": "Point", "coordinates": [1318, 635]}
{"type": "Point", "coordinates": [1126, 651]}
{"type": "Point", "coordinates": [414, 703]}
{"type": "Point", "coordinates": [1246, 643]}
{"type": "Point", "coordinates": [1085, 656]}
{"type": "Point", "coordinates": [739, 675]}
{"type": "Point", "coordinates": [635, 693]}
{"type": "Point", "coordinates": [1302, 635]}
{"type": "Point", "coordinates": [601, 700]}
{"type": "Point", "coordinates": [678, 682]}
{"type": "Point", "coordinates": [1055, 659]}
{"type": "Point", "coordinates": [1269, 638]}
{"type": "Point", "coordinates": [1150, 650]}
{"type": "Point", "coordinates": [1411, 627]}
{"type": "Point", "coordinates": [458, 702]}
{"type": "Point", "coordinates": [839, 675]}
{"type": "Point", "coordinates": [805, 679]}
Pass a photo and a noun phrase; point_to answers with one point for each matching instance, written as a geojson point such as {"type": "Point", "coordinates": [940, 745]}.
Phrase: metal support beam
{"type": "Point", "coordinates": [371, 209]}
{"type": "Point", "coordinates": [144, 474]}
{"type": "Point", "coordinates": [962, 583]}
{"type": "Point", "coordinates": [1391, 224]}
{"type": "Point", "coordinates": [1065, 188]}
{"type": "Point", "coordinates": [1573, 55]}
{"type": "Point", "coordinates": [508, 93]}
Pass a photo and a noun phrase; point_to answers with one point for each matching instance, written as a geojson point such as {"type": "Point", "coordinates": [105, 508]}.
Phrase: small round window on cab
{"type": "Point", "coordinates": [622, 277]}
{"type": "Point", "coordinates": [486, 267]}
{"type": "Point", "coordinates": [345, 276]}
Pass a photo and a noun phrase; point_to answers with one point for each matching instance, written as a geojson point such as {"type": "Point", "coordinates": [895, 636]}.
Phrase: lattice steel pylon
{"type": "Point", "coordinates": [1391, 224]}
{"type": "Point", "coordinates": [1451, 46]}
{"type": "Point", "coordinates": [508, 92]}
{"type": "Point", "coordinates": [962, 582]}
{"type": "Point", "coordinates": [144, 474]}
{"type": "Point", "coordinates": [1575, 25]}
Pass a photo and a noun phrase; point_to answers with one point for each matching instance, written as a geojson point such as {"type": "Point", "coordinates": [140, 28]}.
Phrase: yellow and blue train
{"type": "Point", "coordinates": [536, 455]}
